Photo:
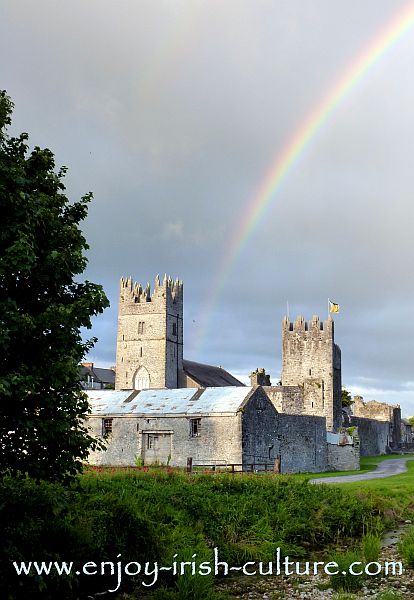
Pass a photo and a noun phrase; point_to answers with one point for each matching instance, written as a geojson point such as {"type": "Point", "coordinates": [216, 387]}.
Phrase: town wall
{"type": "Point", "coordinates": [343, 452]}
{"type": "Point", "coordinates": [374, 435]}
{"type": "Point", "coordinates": [299, 440]}
{"type": "Point", "coordinates": [381, 411]}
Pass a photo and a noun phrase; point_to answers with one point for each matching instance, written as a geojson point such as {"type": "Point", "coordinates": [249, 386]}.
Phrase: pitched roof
{"type": "Point", "coordinates": [209, 376]}
{"type": "Point", "coordinates": [106, 376]}
{"type": "Point", "coordinates": [165, 402]}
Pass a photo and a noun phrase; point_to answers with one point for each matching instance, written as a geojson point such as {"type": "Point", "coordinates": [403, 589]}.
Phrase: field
{"type": "Point", "coordinates": [153, 516]}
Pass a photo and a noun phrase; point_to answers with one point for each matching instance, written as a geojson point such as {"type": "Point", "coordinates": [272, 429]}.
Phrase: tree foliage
{"type": "Point", "coordinates": [42, 308]}
{"type": "Point", "coordinates": [346, 398]}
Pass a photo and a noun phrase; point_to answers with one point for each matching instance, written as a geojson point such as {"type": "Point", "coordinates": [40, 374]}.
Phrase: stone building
{"type": "Point", "coordinates": [227, 425]}
{"type": "Point", "coordinates": [165, 408]}
{"type": "Point", "coordinates": [312, 360]}
{"type": "Point", "coordinates": [96, 378]}
{"type": "Point", "coordinates": [149, 351]}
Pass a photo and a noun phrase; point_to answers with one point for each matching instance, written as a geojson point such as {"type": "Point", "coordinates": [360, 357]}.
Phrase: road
{"type": "Point", "coordinates": [386, 468]}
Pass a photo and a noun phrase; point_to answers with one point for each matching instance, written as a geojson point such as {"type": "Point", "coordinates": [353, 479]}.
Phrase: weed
{"type": "Point", "coordinates": [371, 546]}
{"type": "Point", "coordinates": [344, 581]}
{"type": "Point", "coordinates": [389, 596]}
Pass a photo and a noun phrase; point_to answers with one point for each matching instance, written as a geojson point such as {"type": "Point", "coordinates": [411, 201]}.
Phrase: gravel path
{"type": "Point", "coordinates": [386, 468]}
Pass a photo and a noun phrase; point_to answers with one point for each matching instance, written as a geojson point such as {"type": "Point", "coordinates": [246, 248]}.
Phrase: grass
{"type": "Point", "coordinates": [147, 516]}
{"type": "Point", "coordinates": [156, 514]}
{"type": "Point", "coordinates": [368, 463]}
{"type": "Point", "coordinates": [406, 548]}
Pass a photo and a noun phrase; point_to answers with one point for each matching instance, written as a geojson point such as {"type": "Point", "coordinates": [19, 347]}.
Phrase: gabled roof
{"type": "Point", "coordinates": [105, 376]}
{"type": "Point", "coordinates": [165, 402]}
{"type": "Point", "coordinates": [209, 376]}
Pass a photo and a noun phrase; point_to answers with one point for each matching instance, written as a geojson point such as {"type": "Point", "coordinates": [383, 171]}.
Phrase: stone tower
{"type": "Point", "coordinates": [311, 359]}
{"type": "Point", "coordinates": [149, 352]}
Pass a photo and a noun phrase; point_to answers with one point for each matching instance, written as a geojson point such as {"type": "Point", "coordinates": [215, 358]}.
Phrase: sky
{"type": "Point", "coordinates": [173, 112]}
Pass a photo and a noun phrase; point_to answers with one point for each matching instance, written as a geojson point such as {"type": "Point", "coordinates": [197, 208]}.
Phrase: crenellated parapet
{"type": "Point", "coordinates": [136, 293]}
{"type": "Point", "coordinates": [300, 325]}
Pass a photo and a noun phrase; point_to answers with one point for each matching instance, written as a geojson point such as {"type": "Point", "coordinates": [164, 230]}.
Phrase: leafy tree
{"type": "Point", "coordinates": [411, 421]}
{"type": "Point", "coordinates": [42, 308]}
{"type": "Point", "coordinates": [346, 397]}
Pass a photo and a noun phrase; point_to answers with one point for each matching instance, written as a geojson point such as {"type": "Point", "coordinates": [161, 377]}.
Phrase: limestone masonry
{"type": "Point", "coordinates": [151, 417]}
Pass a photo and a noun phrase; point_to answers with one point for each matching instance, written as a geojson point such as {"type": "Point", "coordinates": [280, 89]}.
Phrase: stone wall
{"type": "Point", "coordinates": [299, 440]}
{"type": "Point", "coordinates": [342, 458]}
{"type": "Point", "coordinates": [374, 435]}
{"type": "Point", "coordinates": [343, 452]}
{"type": "Point", "coordinates": [286, 399]}
{"type": "Point", "coordinates": [218, 440]}
{"type": "Point", "coordinates": [380, 411]}
{"type": "Point", "coordinates": [302, 443]}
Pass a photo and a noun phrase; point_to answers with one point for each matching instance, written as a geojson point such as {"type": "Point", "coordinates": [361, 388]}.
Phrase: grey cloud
{"type": "Point", "coordinates": [173, 113]}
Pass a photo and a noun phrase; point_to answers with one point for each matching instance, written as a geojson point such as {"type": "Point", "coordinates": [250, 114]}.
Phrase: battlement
{"type": "Point", "coordinates": [133, 292]}
{"type": "Point", "coordinates": [302, 326]}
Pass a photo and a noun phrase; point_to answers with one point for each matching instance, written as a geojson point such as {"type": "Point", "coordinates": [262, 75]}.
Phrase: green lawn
{"type": "Point", "coordinates": [368, 463]}
{"type": "Point", "coordinates": [395, 494]}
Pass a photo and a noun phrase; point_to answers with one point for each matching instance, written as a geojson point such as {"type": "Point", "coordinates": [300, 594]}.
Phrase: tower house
{"type": "Point", "coordinates": [312, 360]}
{"type": "Point", "coordinates": [149, 351]}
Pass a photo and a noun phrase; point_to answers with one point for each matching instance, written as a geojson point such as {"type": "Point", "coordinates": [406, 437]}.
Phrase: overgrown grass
{"type": "Point", "coordinates": [406, 548]}
{"type": "Point", "coordinates": [156, 515]}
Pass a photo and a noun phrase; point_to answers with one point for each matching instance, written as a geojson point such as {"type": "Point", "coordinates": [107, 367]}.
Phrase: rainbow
{"type": "Point", "coordinates": [293, 150]}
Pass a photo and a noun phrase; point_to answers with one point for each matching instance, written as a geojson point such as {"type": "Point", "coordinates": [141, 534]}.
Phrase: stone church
{"type": "Point", "coordinates": [150, 354]}
{"type": "Point", "coordinates": [165, 409]}
{"type": "Point", "coordinates": [149, 351]}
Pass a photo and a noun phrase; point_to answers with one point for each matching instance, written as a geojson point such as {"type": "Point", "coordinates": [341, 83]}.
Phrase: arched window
{"type": "Point", "coordinates": [141, 379]}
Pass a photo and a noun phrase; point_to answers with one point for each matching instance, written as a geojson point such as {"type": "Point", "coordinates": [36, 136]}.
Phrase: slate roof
{"type": "Point", "coordinates": [209, 376]}
{"type": "Point", "coordinates": [164, 402]}
{"type": "Point", "coordinates": [105, 376]}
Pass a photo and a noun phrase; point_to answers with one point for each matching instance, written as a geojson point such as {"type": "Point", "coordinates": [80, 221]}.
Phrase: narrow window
{"type": "Point", "coordinates": [174, 332]}
{"type": "Point", "coordinates": [141, 327]}
{"type": "Point", "coordinates": [123, 337]}
{"type": "Point", "coordinates": [106, 426]}
{"type": "Point", "coordinates": [140, 351]}
{"type": "Point", "coordinates": [195, 427]}
{"type": "Point", "coordinates": [310, 371]}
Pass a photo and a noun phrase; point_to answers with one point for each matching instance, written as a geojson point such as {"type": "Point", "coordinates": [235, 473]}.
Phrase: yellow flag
{"type": "Point", "coordinates": [333, 307]}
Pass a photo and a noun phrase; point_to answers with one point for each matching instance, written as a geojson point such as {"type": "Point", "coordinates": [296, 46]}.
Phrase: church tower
{"type": "Point", "coordinates": [149, 351]}
{"type": "Point", "coordinates": [312, 360]}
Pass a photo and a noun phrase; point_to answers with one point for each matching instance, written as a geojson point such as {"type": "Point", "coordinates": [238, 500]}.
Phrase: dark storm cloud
{"type": "Point", "coordinates": [173, 113]}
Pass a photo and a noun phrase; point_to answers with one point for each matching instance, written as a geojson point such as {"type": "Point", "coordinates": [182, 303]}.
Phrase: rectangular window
{"type": "Point", "coordinates": [195, 427]}
{"type": "Point", "coordinates": [174, 329]}
{"type": "Point", "coordinates": [141, 327]}
{"type": "Point", "coordinates": [106, 426]}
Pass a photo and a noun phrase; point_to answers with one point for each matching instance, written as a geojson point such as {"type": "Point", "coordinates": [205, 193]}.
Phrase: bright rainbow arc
{"type": "Point", "coordinates": [295, 147]}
